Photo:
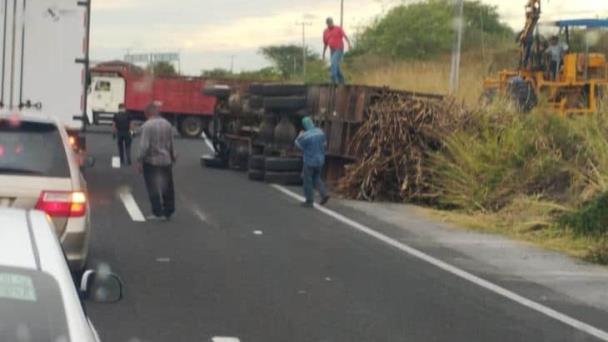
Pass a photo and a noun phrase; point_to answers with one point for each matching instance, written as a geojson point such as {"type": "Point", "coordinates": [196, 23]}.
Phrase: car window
{"type": "Point", "coordinates": [31, 307]}
{"type": "Point", "coordinates": [32, 149]}
{"type": "Point", "coordinates": [103, 86]}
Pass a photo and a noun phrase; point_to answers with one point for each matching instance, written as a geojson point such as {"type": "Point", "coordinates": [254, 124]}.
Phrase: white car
{"type": "Point", "coordinates": [39, 169]}
{"type": "Point", "coordinates": [38, 299]}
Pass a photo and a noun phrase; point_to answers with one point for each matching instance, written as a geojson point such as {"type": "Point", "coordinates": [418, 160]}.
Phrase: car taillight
{"type": "Point", "coordinates": [62, 204]}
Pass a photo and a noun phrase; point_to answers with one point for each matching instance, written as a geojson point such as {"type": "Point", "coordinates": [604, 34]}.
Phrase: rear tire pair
{"type": "Point", "coordinates": [284, 171]}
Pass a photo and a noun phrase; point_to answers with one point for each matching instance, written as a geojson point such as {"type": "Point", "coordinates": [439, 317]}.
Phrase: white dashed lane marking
{"type": "Point", "coordinates": [225, 339]}
{"type": "Point", "coordinates": [131, 205]}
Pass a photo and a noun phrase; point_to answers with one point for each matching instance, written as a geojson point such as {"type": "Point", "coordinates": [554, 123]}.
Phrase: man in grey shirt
{"type": "Point", "coordinates": [156, 159]}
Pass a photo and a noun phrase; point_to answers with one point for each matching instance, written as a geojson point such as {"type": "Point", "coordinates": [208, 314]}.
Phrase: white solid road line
{"type": "Point", "coordinates": [584, 327]}
{"type": "Point", "coordinates": [208, 142]}
{"type": "Point", "coordinates": [132, 208]}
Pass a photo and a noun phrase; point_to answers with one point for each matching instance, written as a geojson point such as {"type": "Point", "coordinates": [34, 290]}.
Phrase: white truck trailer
{"type": "Point", "coordinates": [44, 60]}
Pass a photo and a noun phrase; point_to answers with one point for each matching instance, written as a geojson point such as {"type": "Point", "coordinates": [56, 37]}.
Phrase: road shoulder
{"type": "Point", "coordinates": [493, 255]}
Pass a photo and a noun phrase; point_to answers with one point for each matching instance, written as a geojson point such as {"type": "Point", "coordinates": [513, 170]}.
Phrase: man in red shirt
{"type": "Point", "coordinates": [334, 37]}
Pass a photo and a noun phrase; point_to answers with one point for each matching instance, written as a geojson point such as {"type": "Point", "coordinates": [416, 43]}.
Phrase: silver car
{"type": "Point", "coordinates": [38, 300]}
{"type": "Point", "coordinates": [39, 169]}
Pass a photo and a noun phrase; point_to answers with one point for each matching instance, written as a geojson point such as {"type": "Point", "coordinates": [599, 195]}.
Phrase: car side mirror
{"type": "Point", "coordinates": [101, 287]}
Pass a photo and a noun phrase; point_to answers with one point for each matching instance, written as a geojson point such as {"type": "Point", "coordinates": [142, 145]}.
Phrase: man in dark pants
{"type": "Point", "coordinates": [156, 159]}
{"type": "Point", "coordinates": [312, 141]}
{"type": "Point", "coordinates": [121, 129]}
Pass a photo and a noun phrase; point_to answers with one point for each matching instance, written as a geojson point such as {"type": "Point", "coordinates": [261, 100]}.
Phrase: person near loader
{"type": "Point", "coordinates": [312, 141]}
{"type": "Point", "coordinates": [555, 55]}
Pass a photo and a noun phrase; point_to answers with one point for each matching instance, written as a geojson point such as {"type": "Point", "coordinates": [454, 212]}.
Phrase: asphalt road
{"type": "Point", "coordinates": [240, 259]}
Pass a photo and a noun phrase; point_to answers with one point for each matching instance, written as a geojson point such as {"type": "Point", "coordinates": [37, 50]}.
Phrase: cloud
{"type": "Point", "coordinates": [207, 33]}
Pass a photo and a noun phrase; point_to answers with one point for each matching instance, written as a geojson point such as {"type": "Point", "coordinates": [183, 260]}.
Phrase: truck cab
{"type": "Point", "coordinates": [106, 93]}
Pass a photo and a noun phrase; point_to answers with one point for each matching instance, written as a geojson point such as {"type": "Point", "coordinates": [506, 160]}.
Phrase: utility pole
{"type": "Point", "coordinates": [458, 27]}
{"type": "Point", "coordinates": [304, 50]}
{"type": "Point", "coordinates": [342, 13]}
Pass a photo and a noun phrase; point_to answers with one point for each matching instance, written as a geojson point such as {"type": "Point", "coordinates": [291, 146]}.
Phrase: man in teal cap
{"type": "Point", "coordinates": [312, 141]}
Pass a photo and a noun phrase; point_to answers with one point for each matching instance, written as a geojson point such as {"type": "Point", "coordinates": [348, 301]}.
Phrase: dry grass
{"type": "Point", "coordinates": [432, 76]}
{"type": "Point", "coordinates": [555, 239]}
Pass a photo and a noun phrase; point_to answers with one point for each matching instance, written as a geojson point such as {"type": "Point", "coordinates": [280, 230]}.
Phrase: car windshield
{"type": "Point", "coordinates": [31, 307]}
{"type": "Point", "coordinates": [30, 148]}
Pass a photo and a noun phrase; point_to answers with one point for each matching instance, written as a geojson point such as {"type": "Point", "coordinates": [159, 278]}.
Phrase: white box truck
{"type": "Point", "coordinates": [44, 61]}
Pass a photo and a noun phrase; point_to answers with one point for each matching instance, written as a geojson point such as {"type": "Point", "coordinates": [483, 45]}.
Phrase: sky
{"type": "Point", "coordinates": [214, 34]}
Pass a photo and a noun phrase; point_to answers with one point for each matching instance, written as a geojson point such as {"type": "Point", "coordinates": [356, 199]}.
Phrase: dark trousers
{"type": "Point", "coordinates": [124, 149]}
{"type": "Point", "coordinates": [159, 182]}
{"type": "Point", "coordinates": [311, 175]}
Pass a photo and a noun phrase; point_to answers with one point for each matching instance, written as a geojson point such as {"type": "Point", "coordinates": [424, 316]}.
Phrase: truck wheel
{"type": "Point", "coordinates": [283, 178]}
{"type": "Point", "coordinates": [256, 175]}
{"type": "Point", "coordinates": [286, 164]}
{"type": "Point", "coordinates": [257, 162]}
{"type": "Point", "coordinates": [256, 102]}
{"type": "Point", "coordinates": [279, 89]}
{"type": "Point", "coordinates": [285, 103]}
{"type": "Point", "coordinates": [191, 127]}
{"type": "Point", "coordinates": [256, 88]}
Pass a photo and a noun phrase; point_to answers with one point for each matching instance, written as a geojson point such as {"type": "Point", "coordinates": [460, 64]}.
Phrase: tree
{"type": "Point", "coordinates": [162, 69]}
{"type": "Point", "coordinates": [287, 59]}
{"type": "Point", "coordinates": [424, 29]}
{"type": "Point", "coordinates": [217, 73]}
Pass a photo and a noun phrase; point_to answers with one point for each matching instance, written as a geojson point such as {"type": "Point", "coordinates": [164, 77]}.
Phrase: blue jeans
{"type": "Point", "coordinates": [336, 71]}
{"type": "Point", "coordinates": [311, 175]}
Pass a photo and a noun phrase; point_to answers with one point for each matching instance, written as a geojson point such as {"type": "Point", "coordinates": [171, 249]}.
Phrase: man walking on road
{"type": "Point", "coordinates": [334, 37]}
{"type": "Point", "coordinates": [121, 130]}
{"type": "Point", "coordinates": [312, 142]}
{"type": "Point", "coordinates": [156, 159]}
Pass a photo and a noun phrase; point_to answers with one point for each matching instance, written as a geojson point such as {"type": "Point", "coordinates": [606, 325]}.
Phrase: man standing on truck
{"type": "Point", "coordinates": [156, 159]}
{"type": "Point", "coordinates": [121, 129]}
{"type": "Point", "coordinates": [334, 37]}
{"type": "Point", "coordinates": [312, 141]}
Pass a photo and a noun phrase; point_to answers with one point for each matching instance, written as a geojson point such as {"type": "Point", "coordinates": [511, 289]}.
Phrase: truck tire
{"type": "Point", "coordinates": [285, 103]}
{"type": "Point", "coordinates": [256, 175]}
{"type": "Point", "coordinates": [284, 90]}
{"type": "Point", "coordinates": [283, 178]}
{"type": "Point", "coordinates": [256, 89]}
{"type": "Point", "coordinates": [217, 90]}
{"type": "Point", "coordinates": [257, 162]}
{"type": "Point", "coordinates": [286, 164]}
{"type": "Point", "coordinates": [213, 162]}
{"type": "Point", "coordinates": [256, 102]}
{"type": "Point", "coordinates": [191, 127]}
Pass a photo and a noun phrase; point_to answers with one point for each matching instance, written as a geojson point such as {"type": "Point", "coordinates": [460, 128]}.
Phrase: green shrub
{"type": "Point", "coordinates": [590, 219]}
{"type": "Point", "coordinates": [503, 156]}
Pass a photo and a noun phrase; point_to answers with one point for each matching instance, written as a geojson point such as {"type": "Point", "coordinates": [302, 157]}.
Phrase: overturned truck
{"type": "Point", "coordinates": [254, 126]}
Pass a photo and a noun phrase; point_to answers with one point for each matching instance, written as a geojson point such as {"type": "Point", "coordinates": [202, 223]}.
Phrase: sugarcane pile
{"type": "Point", "coordinates": [393, 146]}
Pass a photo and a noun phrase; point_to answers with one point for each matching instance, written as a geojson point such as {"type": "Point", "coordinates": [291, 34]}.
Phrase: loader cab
{"type": "Point", "coordinates": [585, 61]}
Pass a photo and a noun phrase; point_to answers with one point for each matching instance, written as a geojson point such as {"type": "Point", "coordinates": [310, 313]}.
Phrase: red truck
{"type": "Point", "coordinates": [182, 97]}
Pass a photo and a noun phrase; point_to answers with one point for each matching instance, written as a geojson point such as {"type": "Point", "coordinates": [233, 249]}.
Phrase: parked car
{"type": "Point", "coordinates": [39, 169]}
{"type": "Point", "coordinates": [38, 299]}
